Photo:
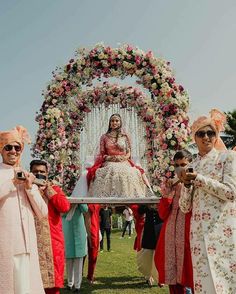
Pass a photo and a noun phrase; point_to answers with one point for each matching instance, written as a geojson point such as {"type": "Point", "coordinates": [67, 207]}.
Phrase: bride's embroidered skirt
{"type": "Point", "coordinates": [118, 179]}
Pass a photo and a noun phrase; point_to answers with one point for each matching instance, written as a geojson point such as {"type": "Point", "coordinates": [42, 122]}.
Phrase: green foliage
{"type": "Point", "coordinates": [231, 128]}
{"type": "Point", "coordinates": [116, 271]}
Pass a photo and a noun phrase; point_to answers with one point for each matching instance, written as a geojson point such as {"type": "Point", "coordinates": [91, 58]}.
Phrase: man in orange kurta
{"type": "Point", "coordinates": [20, 200]}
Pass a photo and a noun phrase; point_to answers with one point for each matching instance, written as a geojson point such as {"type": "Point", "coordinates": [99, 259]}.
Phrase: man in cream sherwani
{"type": "Point", "coordinates": [19, 201]}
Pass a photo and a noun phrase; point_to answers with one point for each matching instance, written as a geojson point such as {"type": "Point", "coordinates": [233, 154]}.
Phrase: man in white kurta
{"type": "Point", "coordinates": [19, 201]}
{"type": "Point", "coordinates": [212, 198]}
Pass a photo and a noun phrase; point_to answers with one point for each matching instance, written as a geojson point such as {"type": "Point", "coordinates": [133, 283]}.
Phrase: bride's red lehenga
{"type": "Point", "coordinates": [114, 174]}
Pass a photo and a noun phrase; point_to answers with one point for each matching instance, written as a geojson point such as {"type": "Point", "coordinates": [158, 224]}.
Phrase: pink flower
{"type": "Point", "coordinates": [164, 146]}
{"type": "Point", "coordinates": [196, 250]}
{"type": "Point", "coordinates": [233, 268]}
{"type": "Point", "coordinates": [149, 54]}
{"type": "Point", "coordinates": [206, 215]}
{"type": "Point", "coordinates": [211, 250]}
{"type": "Point", "coordinates": [129, 48]}
{"type": "Point", "coordinates": [228, 232]}
{"type": "Point", "coordinates": [198, 286]}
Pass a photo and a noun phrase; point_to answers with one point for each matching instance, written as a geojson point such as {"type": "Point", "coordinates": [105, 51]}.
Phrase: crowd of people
{"type": "Point", "coordinates": [187, 241]}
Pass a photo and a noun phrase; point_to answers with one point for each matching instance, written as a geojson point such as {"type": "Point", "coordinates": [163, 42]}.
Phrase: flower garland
{"type": "Point", "coordinates": [61, 115]}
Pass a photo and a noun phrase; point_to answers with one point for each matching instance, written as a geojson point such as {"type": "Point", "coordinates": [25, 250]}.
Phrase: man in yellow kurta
{"type": "Point", "coordinates": [19, 201]}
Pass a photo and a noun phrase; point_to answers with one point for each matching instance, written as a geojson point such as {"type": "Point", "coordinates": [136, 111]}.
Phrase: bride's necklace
{"type": "Point", "coordinates": [113, 134]}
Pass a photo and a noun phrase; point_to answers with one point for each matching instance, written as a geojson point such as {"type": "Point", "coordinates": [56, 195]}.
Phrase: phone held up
{"type": "Point", "coordinates": [40, 180]}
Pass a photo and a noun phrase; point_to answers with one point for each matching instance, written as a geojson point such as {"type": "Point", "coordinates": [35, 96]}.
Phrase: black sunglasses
{"type": "Point", "coordinates": [11, 147]}
{"type": "Point", "coordinates": [202, 134]}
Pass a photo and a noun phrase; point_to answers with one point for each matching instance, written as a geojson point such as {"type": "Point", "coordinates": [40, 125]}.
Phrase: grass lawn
{"type": "Point", "coordinates": [116, 271]}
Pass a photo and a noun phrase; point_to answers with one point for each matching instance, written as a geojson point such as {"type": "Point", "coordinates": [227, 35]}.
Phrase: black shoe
{"type": "Point", "coordinates": [76, 290]}
{"type": "Point", "coordinates": [69, 288]}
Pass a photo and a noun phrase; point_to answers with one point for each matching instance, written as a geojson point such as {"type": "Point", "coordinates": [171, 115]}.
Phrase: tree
{"type": "Point", "coordinates": [230, 129]}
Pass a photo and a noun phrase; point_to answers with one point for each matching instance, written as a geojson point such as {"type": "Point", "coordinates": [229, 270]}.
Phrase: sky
{"type": "Point", "coordinates": [197, 37]}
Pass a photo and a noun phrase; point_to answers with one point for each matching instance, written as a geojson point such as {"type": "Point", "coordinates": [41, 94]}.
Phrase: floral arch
{"type": "Point", "coordinates": [61, 116]}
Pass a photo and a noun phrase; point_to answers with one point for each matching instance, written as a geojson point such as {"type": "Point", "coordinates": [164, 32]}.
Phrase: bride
{"type": "Point", "coordinates": [114, 174]}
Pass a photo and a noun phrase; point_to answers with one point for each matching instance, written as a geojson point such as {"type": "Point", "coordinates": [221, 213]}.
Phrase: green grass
{"type": "Point", "coordinates": [116, 271]}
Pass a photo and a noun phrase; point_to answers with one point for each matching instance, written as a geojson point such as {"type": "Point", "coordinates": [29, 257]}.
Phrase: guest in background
{"type": "Point", "coordinates": [49, 232]}
{"type": "Point", "coordinates": [76, 246]}
{"type": "Point", "coordinates": [172, 254]}
{"type": "Point", "coordinates": [105, 226]}
{"type": "Point", "coordinates": [139, 220]}
{"type": "Point", "coordinates": [92, 227]}
{"type": "Point", "coordinates": [151, 231]}
{"type": "Point", "coordinates": [128, 215]}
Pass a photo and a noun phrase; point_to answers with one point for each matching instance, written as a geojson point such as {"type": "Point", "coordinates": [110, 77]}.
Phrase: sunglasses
{"type": "Point", "coordinates": [202, 134]}
{"type": "Point", "coordinates": [8, 147]}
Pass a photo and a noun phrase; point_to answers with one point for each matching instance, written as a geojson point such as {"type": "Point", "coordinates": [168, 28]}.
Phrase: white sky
{"type": "Point", "coordinates": [197, 37]}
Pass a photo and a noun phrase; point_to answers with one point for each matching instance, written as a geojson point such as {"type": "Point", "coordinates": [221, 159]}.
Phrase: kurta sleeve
{"type": "Point", "coordinates": [6, 188]}
{"type": "Point", "coordinates": [38, 204]}
{"type": "Point", "coordinates": [225, 189]}
{"type": "Point", "coordinates": [83, 208]}
{"type": "Point", "coordinates": [164, 208]}
{"type": "Point", "coordinates": [59, 200]}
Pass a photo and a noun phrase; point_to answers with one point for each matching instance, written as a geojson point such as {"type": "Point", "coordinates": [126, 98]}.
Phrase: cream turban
{"type": "Point", "coordinates": [19, 134]}
{"type": "Point", "coordinates": [216, 120]}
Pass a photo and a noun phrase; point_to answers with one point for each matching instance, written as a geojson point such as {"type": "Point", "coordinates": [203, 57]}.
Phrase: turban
{"type": "Point", "coordinates": [19, 134]}
{"type": "Point", "coordinates": [216, 121]}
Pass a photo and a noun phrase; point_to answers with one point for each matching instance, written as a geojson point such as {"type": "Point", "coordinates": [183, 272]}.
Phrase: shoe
{"type": "Point", "coordinates": [129, 237]}
{"type": "Point", "coordinates": [110, 250]}
{"type": "Point", "coordinates": [91, 282]}
{"type": "Point", "coordinates": [150, 282]}
{"type": "Point", "coordinates": [121, 237]}
{"type": "Point", "coordinates": [101, 251]}
{"type": "Point", "coordinates": [76, 290]}
{"type": "Point", "coordinates": [69, 288]}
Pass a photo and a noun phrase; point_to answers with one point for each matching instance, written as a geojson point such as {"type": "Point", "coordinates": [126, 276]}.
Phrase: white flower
{"type": "Point", "coordinates": [154, 86]}
{"type": "Point", "coordinates": [169, 136]}
{"type": "Point", "coordinates": [155, 188]}
{"type": "Point", "coordinates": [173, 143]}
{"type": "Point", "coordinates": [101, 55]}
{"type": "Point", "coordinates": [172, 168]}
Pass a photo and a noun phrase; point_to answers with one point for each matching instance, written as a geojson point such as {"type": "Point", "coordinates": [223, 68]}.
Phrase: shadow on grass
{"type": "Point", "coordinates": [115, 283]}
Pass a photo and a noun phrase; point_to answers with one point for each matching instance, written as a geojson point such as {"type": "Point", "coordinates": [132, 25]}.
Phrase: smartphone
{"type": "Point", "coordinates": [20, 176]}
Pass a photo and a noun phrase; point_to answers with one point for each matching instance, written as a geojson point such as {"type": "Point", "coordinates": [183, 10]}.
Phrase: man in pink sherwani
{"type": "Point", "coordinates": [19, 201]}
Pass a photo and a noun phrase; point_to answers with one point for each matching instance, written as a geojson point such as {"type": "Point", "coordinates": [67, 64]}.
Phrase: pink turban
{"type": "Point", "coordinates": [216, 120]}
{"type": "Point", "coordinates": [19, 134]}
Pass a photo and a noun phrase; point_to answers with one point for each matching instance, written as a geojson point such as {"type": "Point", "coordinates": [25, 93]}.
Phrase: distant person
{"type": "Point", "coordinates": [139, 220]}
{"type": "Point", "coordinates": [76, 246]}
{"type": "Point", "coordinates": [128, 216]}
{"type": "Point", "coordinates": [92, 227]}
{"type": "Point", "coordinates": [150, 235]}
{"type": "Point", "coordinates": [105, 226]}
